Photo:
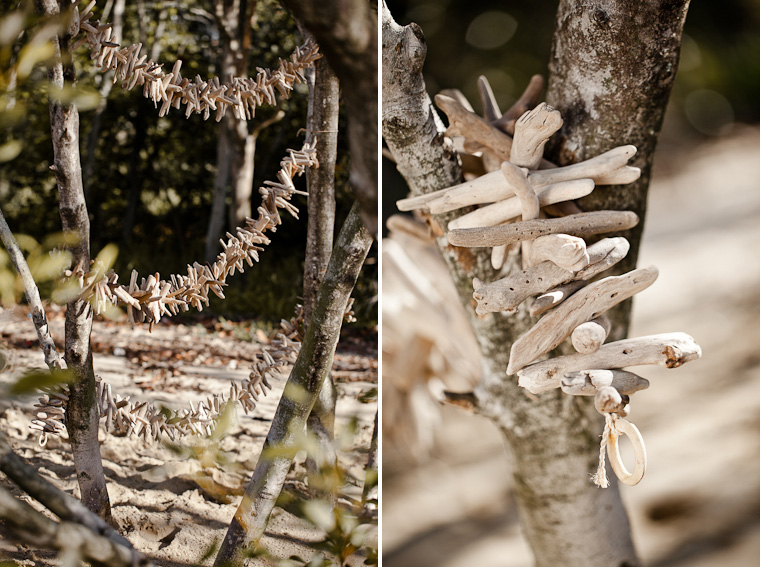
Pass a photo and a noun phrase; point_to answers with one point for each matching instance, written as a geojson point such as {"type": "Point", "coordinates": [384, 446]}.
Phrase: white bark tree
{"type": "Point", "coordinates": [611, 75]}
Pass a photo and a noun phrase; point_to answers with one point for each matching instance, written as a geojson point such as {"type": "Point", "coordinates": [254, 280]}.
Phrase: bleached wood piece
{"type": "Point", "coordinates": [624, 175]}
{"type": "Point", "coordinates": [487, 188]}
{"type": "Point", "coordinates": [608, 400]}
{"type": "Point", "coordinates": [530, 98]}
{"type": "Point", "coordinates": [588, 382]}
{"type": "Point", "coordinates": [407, 225]}
{"type": "Point", "coordinates": [508, 209]}
{"type": "Point", "coordinates": [507, 293]}
{"type": "Point", "coordinates": [597, 168]}
{"type": "Point", "coordinates": [586, 304]}
{"type": "Point", "coordinates": [462, 122]}
{"type": "Point", "coordinates": [529, 203]}
{"type": "Point", "coordinates": [566, 251]}
{"type": "Point", "coordinates": [554, 297]}
{"type": "Point", "coordinates": [491, 110]}
{"type": "Point", "coordinates": [670, 350]}
{"type": "Point", "coordinates": [458, 96]}
{"type": "Point", "coordinates": [498, 256]}
{"type": "Point", "coordinates": [639, 450]}
{"type": "Point", "coordinates": [582, 224]}
{"type": "Point", "coordinates": [589, 336]}
{"type": "Point", "coordinates": [532, 130]}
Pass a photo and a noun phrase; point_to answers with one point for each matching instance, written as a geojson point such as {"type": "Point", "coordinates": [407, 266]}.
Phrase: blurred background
{"type": "Point", "coordinates": [447, 486]}
{"type": "Point", "coordinates": [150, 181]}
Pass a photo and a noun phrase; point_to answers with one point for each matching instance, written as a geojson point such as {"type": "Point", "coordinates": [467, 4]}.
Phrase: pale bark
{"type": "Point", "coordinates": [82, 416]}
{"type": "Point", "coordinates": [566, 519]}
{"type": "Point", "coordinates": [52, 358]}
{"type": "Point", "coordinates": [311, 367]}
{"type": "Point", "coordinates": [322, 125]}
{"type": "Point", "coordinates": [346, 31]}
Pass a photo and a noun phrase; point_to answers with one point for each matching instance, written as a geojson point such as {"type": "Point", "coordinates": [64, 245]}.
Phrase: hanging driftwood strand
{"type": "Point", "coordinates": [242, 94]}
{"type": "Point", "coordinates": [154, 298]}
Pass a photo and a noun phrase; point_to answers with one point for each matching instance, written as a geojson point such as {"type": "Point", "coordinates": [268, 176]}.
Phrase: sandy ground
{"type": "Point", "coordinates": [699, 503]}
{"type": "Point", "coordinates": [171, 506]}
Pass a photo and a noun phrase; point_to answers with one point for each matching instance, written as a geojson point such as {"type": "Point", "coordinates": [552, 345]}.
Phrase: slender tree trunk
{"type": "Point", "coordinates": [322, 124]}
{"type": "Point", "coordinates": [553, 439]}
{"type": "Point", "coordinates": [82, 412]}
{"type": "Point", "coordinates": [346, 31]}
{"type": "Point", "coordinates": [216, 217]}
{"type": "Point", "coordinates": [309, 372]}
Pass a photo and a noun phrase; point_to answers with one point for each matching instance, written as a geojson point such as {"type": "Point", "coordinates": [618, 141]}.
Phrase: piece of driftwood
{"type": "Point", "coordinates": [462, 122]}
{"type": "Point", "coordinates": [530, 98]}
{"type": "Point", "coordinates": [584, 305]}
{"type": "Point", "coordinates": [529, 203]}
{"type": "Point", "coordinates": [668, 349]}
{"type": "Point", "coordinates": [498, 256]}
{"type": "Point", "coordinates": [608, 400]}
{"type": "Point", "coordinates": [566, 251]}
{"type": "Point", "coordinates": [410, 226]}
{"type": "Point", "coordinates": [625, 427]}
{"type": "Point", "coordinates": [563, 209]}
{"type": "Point", "coordinates": [597, 168]}
{"type": "Point", "coordinates": [507, 293]}
{"type": "Point", "coordinates": [589, 336]}
{"type": "Point", "coordinates": [582, 224]}
{"type": "Point", "coordinates": [554, 297]}
{"type": "Point", "coordinates": [588, 382]}
{"type": "Point", "coordinates": [508, 209]}
{"type": "Point", "coordinates": [491, 110]}
{"type": "Point", "coordinates": [532, 130]}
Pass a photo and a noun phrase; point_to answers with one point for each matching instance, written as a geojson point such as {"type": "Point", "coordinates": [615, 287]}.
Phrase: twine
{"type": "Point", "coordinates": [600, 476]}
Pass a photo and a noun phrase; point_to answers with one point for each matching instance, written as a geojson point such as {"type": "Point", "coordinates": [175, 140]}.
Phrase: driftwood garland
{"type": "Point", "coordinates": [557, 264]}
{"type": "Point", "coordinates": [171, 90]}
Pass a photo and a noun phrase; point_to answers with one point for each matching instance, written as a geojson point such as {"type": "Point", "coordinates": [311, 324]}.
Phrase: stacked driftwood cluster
{"type": "Point", "coordinates": [517, 190]}
{"type": "Point", "coordinates": [242, 94]}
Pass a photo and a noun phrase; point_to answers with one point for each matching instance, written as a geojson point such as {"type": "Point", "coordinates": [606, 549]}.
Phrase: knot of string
{"type": "Point", "coordinates": [600, 476]}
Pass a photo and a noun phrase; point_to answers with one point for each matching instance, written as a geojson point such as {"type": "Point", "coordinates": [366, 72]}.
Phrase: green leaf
{"type": "Point", "coordinates": [38, 379]}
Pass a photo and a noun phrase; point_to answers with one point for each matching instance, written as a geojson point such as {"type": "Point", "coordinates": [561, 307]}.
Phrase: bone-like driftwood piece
{"type": "Point", "coordinates": [608, 400]}
{"type": "Point", "coordinates": [507, 293]}
{"type": "Point", "coordinates": [582, 224]}
{"type": "Point", "coordinates": [484, 189]}
{"type": "Point", "coordinates": [503, 211]}
{"type": "Point", "coordinates": [668, 349]}
{"type": "Point", "coordinates": [554, 297]}
{"type": "Point", "coordinates": [491, 110]}
{"type": "Point", "coordinates": [532, 130]}
{"type": "Point", "coordinates": [599, 167]}
{"type": "Point", "coordinates": [530, 98]}
{"type": "Point", "coordinates": [588, 382]}
{"type": "Point", "coordinates": [462, 122]}
{"type": "Point", "coordinates": [590, 302]}
{"type": "Point", "coordinates": [589, 336]}
{"type": "Point", "coordinates": [529, 203]}
{"type": "Point", "coordinates": [566, 251]}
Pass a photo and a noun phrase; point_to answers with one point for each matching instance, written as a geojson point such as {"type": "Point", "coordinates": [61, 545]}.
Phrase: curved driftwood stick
{"type": "Point", "coordinates": [668, 349]}
{"type": "Point", "coordinates": [529, 204]}
{"type": "Point", "coordinates": [508, 209]}
{"type": "Point", "coordinates": [588, 382]}
{"type": "Point", "coordinates": [582, 224]}
{"type": "Point", "coordinates": [498, 256]}
{"type": "Point", "coordinates": [554, 297]}
{"type": "Point", "coordinates": [588, 337]}
{"type": "Point", "coordinates": [507, 293]}
{"type": "Point", "coordinates": [599, 167]}
{"type": "Point", "coordinates": [38, 530]}
{"type": "Point", "coordinates": [608, 400]}
{"type": "Point", "coordinates": [568, 252]}
{"type": "Point", "coordinates": [590, 302]}
{"type": "Point", "coordinates": [532, 130]}
{"type": "Point", "coordinates": [491, 110]}
{"type": "Point", "coordinates": [462, 122]}
{"type": "Point", "coordinates": [530, 98]}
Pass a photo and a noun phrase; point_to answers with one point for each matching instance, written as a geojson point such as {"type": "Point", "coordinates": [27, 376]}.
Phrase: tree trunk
{"type": "Point", "coordinates": [554, 439]}
{"type": "Point", "coordinates": [322, 124]}
{"type": "Point", "coordinates": [312, 366]}
{"type": "Point", "coordinates": [347, 34]}
{"type": "Point", "coordinates": [82, 412]}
